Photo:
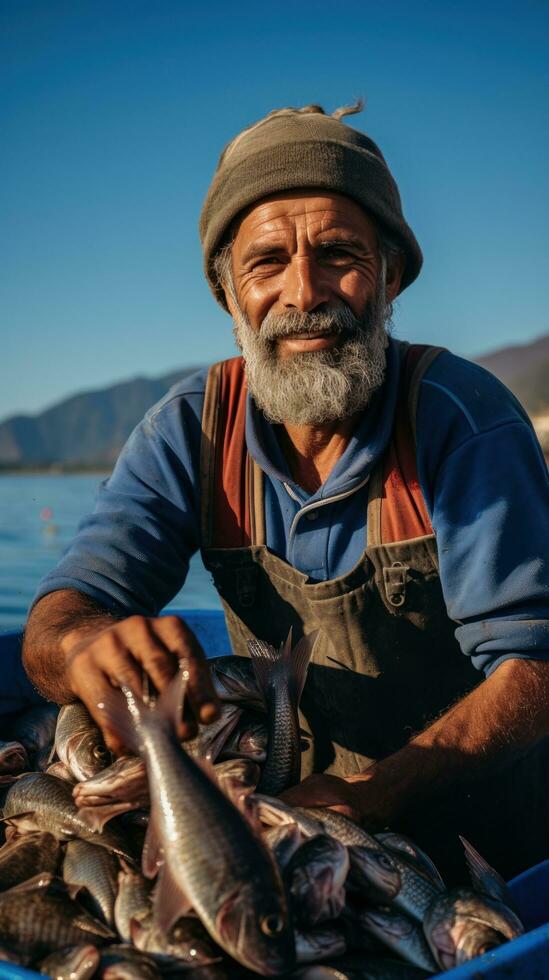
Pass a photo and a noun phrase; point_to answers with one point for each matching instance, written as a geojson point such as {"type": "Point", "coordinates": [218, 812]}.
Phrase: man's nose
{"type": "Point", "coordinates": [304, 287]}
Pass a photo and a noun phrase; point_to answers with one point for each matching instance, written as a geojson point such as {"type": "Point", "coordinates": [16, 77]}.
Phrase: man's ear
{"type": "Point", "coordinates": [395, 270]}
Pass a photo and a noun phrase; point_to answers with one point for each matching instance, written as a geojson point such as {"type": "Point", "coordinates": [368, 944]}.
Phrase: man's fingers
{"type": "Point", "coordinates": [157, 659]}
{"type": "Point", "coordinates": [200, 692]}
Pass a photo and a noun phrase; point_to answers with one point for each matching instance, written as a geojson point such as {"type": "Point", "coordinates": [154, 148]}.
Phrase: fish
{"type": "Point", "coordinates": [416, 892]}
{"type": "Point", "coordinates": [486, 879]}
{"type": "Point", "coordinates": [399, 933]}
{"type": "Point", "coordinates": [35, 728]}
{"type": "Point", "coordinates": [71, 963]}
{"type": "Point", "coordinates": [39, 916]}
{"type": "Point", "coordinates": [233, 883]}
{"type": "Point", "coordinates": [249, 740]}
{"type": "Point", "coordinates": [186, 943]}
{"type": "Point", "coordinates": [315, 878]}
{"type": "Point", "coordinates": [123, 962]}
{"type": "Point", "coordinates": [79, 743]}
{"type": "Point", "coordinates": [462, 924]}
{"type": "Point", "coordinates": [95, 869]}
{"type": "Point", "coordinates": [38, 801]}
{"type": "Point", "coordinates": [411, 852]}
{"type": "Point", "coordinates": [319, 944]}
{"type": "Point", "coordinates": [373, 874]}
{"type": "Point", "coordinates": [283, 842]}
{"type": "Point", "coordinates": [233, 679]}
{"type": "Point", "coordinates": [60, 770]}
{"type": "Point", "coordinates": [24, 856]}
{"type": "Point", "coordinates": [13, 758]}
{"type": "Point", "coordinates": [339, 826]}
{"type": "Point", "coordinates": [280, 677]}
{"type": "Point", "coordinates": [124, 781]}
{"type": "Point", "coordinates": [133, 899]}
{"type": "Point", "coordinates": [211, 738]}
{"type": "Point", "coordinates": [273, 812]}
{"type": "Point", "coordinates": [360, 966]}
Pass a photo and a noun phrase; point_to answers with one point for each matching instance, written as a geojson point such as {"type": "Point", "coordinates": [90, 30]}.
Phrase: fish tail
{"type": "Point", "coordinates": [287, 666]}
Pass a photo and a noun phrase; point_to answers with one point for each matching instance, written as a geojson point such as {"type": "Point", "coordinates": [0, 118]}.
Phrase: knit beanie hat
{"type": "Point", "coordinates": [291, 149]}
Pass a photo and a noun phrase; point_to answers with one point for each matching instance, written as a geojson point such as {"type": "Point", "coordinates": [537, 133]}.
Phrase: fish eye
{"type": "Point", "coordinates": [385, 862]}
{"type": "Point", "coordinates": [271, 925]}
{"type": "Point", "coordinates": [100, 753]}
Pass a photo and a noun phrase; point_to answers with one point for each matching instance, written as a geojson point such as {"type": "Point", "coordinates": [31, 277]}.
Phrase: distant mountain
{"type": "Point", "coordinates": [90, 428]}
{"type": "Point", "coordinates": [525, 370]}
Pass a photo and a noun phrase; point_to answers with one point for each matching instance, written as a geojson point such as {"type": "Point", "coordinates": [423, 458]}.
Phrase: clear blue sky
{"type": "Point", "coordinates": [113, 113]}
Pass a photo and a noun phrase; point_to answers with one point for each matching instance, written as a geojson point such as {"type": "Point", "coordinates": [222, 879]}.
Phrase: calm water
{"type": "Point", "coordinates": [38, 518]}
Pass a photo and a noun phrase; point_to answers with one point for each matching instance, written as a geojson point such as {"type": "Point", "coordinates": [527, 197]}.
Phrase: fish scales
{"type": "Point", "coordinates": [96, 869]}
{"type": "Point", "coordinates": [23, 857]}
{"type": "Point", "coordinates": [39, 918]}
{"type": "Point", "coordinates": [47, 804]}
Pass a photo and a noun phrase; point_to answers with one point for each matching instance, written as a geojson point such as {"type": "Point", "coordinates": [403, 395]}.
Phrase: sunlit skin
{"type": "Point", "coordinates": [302, 251]}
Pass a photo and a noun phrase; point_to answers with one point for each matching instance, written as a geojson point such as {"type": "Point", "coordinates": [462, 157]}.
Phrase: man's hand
{"type": "Point", "coordinates": [365, 797]}
{"type": "Point", "coordinates": [118, 655]}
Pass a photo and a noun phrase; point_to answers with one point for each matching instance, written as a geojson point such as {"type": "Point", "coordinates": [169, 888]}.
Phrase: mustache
{"type": "Point", "coordinates": [338, 320]}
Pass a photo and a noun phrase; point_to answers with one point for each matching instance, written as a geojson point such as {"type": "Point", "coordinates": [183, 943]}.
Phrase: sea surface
{"type": "Point", "coordinates": [39, 515]}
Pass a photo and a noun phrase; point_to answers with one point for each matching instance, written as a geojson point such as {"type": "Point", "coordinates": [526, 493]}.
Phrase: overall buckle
{"type": "Point", "coordinates": [394, 578]}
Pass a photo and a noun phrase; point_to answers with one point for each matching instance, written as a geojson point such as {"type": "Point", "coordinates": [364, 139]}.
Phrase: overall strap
{"type": "Point", "coordinates": [231, 483]}
{"type": "Point", "coordinates": [396, 507]}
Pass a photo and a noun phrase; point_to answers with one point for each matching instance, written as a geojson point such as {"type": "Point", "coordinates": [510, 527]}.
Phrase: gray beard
{"type": "Point", "coordinates": [318, 386]}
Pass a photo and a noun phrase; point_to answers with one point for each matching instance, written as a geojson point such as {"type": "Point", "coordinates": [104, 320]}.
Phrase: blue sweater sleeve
{"type": "Point", "coordinates": [486, 485]}
{"type": "Point", "coordinates": [132, 553]}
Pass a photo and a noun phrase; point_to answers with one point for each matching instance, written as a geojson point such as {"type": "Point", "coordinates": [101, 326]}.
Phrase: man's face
{"type": "Point", "coordinates": [309, 303]}
{"type": "Point", "coordinates": [301, 251]}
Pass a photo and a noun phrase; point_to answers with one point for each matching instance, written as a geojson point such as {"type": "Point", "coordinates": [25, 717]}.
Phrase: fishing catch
{"type": "Point", "coordinates": [182, 857]}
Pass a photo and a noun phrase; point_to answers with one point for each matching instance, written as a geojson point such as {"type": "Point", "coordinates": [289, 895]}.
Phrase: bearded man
{"type": "Point", "coordinates": [391, 496]}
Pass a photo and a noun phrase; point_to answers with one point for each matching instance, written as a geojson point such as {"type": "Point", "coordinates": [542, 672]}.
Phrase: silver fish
{"type": "Point", "coordinates": [124, 781]}
{"type": "Point", "coordinates": [234, 680]}
{"type": "Point", "coordinates": [316, 878]}
{"type": "Point", "coordinates": [416, 892]}
{"type": "Point", "coordinates": [249, 740]}
{"type": "Point", "coordinates": [40, 916]}
{"type": "Point", "coordinates": [411, 852]}
{"type": "Point", "coordinates": [122, 962]}
{"type": "Point", "coordinates": [374, 874]}
{"type": "Point", "coordinates": [79, 742]}
{"type": "Point", "coordinates": [35, 728]}
{"type": "Point", "coordinates": [71, 963]}
{"type": "Point", "coordinates": [133, 899]}
{"type": "Point", "coordinates": [186, 944]}
{"type": "Point", "coordinates": [462, 924]}
{"type": "Point", "coordinates": [95, 869]}
{"type": "Point", "coordinates": [233, 884]}
{"type": "Point", "coordinates": [400, 933]}
{"type": "Point", "coordinates": [38, 801]}
{"type": "Point", "coordinates": [211, 738]}
{"type": "Point", "coordinates": [281, 677]}
{"type": "Point", "coordinates": [24, 856]}
{"type": "Point", "coordinates": [319, 944]}
{"type": "Point", "coordinates": [486, 879]}
{"type": "Point", "coordinates": [60, 770]}
{"type": "Point", "coordinates": [13, 757]}
{"type": "Point", "coordinates": [283, 841]}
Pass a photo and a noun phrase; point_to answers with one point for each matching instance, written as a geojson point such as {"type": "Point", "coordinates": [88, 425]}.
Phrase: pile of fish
{"type": "Point", "coordinates": [182, 860]}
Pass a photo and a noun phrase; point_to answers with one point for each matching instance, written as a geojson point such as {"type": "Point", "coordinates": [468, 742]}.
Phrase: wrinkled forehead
{"type": "Point", "coordinates": [319, 211]}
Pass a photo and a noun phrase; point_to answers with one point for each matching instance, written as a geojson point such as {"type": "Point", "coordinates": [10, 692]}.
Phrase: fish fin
{"type": "Point", "coordinates": [284, 666]}
{"type": "Point", "coordinates": [484, 878]}
{"type": "Point", "coordinates": [170, 901]}
{"type": "Point", "coordinates": [152, 856]}
{"type": "Point", "coordinates": [97, 816]}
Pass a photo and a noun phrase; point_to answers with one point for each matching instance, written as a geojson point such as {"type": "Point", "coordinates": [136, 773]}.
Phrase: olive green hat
{"type": "Point", "coordinates": [303, 148]}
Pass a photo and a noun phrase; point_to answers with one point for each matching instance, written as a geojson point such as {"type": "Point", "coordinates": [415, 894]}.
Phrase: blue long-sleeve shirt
{"type": "Point", "coordinates": [480, 468]}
